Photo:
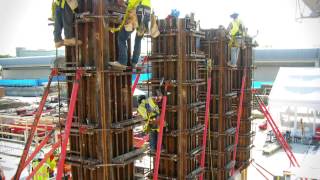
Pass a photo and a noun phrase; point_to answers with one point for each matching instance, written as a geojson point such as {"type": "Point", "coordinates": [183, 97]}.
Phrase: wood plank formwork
{"type": "Point", "coordinates": [101, 139]}
{"type": "Point", "coordinates": [222, 111]}
{"type": "Point", "coordinates": [245, 133]}
{"type": "Point", "coordinates": [176, 58]}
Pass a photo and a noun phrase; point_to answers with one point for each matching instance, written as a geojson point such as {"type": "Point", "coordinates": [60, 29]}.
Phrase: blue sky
{"type": "Point", "coordinates": [24, 22]}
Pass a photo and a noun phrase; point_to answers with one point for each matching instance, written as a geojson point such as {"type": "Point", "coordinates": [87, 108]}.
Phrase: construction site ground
{"type": "Point", "coordinates": [276, 163]}
{"type": "Point", "coordinates": [279, 162]}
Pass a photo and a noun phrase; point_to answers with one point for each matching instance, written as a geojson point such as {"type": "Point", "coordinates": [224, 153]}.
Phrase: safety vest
{"type": "Point", "coordinates": [236, 27]}
{"type": "Point", "coordinates": [60, 3]}
{"type": "Point", "coordinates": [42, 173]}
{"type": "Point", "coordinates": [134, 3]}
{"type": "Point", "coordinates": [149, 110]}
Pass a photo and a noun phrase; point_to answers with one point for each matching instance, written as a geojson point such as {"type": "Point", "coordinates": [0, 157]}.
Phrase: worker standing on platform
{"type": "Point", "coordinates": [63, 15]}
{"type": "Point", "coordinates": [236, 32]}
{"type": "Point", "coordinates": [137, 17]}
{"type": "Point", "coordinates": [149, 110]}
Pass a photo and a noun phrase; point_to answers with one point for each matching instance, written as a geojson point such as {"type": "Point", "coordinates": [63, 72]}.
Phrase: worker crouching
{"type": "Point", "coordinates": [150, 112]}
{"type": "Point", "coordinates": [43, 172]}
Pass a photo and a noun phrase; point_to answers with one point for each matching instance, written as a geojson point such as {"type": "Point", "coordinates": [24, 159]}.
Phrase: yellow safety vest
{"type": "Point", "coordinates": [236, 27]}
{"type": "Point", "coordinates": [60, 3]}
{"type": "Point", "coordinates": [149, 116]}
{"type": "Point", "coordinates": [42, 173]}
{"type": "Point", "coordinates": [133, 4]}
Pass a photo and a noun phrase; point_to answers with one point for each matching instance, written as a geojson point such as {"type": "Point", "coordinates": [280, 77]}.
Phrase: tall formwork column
{"type": "Point", "coordinates": [176, 59]}
{"type": "Point", "coordinates": [101, 139]}
{"type": "Point", "coordinates": [245, 133]}
{"type": "Point", "coordinates": [222, 112]}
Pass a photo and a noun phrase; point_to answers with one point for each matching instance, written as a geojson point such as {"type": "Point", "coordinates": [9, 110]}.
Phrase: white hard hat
{"type": "Point", "coordinates": [40, 155]}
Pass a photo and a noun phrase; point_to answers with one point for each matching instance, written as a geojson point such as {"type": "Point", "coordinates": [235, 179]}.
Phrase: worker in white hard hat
{"type": "Point", "coordinates": [43, 171]}
{"type": "Point", "coordinates": [236, 32]}
{"type": "Point", "coordinates": [149, 111]}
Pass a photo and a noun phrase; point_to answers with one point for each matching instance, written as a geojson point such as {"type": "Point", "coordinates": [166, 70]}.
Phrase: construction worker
{"type": "Point", "coordinates": [236, 32]}
{"type": "Point", "coordinates": [149, 110]}
{"type": "Point", "coordinates": [63, 15]}
{"type": "Point", "coordinates": [138, 17]}
{"type": "Point", "coordinates": [43, 171]}
{"type": "Point", "coordinates": [52, 162]}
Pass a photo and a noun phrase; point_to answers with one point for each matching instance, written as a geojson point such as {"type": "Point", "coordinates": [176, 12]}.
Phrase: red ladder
{"type": "Point", "coordinates": [277, 132]}
{"type": "Point", "coordinates": [24, 161]}
{"type": "Point", "coordinates": [243, 82]}
{"type": "Point", "coordinates": [205, 131]}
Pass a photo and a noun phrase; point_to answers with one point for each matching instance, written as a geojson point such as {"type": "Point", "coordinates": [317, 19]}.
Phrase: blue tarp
{"type": "Point", "coordinates": [40, 82]}
{"type": "Point", "coordinates": [143, 77]}
{"type": "Point", "coordinates": [258, 84]}
{"type": "Point", "coordinates": [27, 82]}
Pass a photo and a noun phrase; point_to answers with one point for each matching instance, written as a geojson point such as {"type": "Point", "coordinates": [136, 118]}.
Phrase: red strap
{"type": "Point", "coordinates": [73, 100]}
{"type": "Point", "coordinates": [205, 131]}
{"type": "Point", "coordinates": [145, 59]}
{"type": "Point", "coordinates": [159, 142]}
{"type": "Point", "coordinates": [239, 118]}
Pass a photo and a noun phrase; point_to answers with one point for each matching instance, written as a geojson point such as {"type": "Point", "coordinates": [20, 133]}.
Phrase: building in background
{"type": "Point", "coordinates": [23, 52]}
{"type": "Point", "coordinates": [26, 67]}
{"type": "Point", "coordinates": [269, 61]}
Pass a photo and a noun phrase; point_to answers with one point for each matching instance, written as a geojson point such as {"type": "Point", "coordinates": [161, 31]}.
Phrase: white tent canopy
{"type": "Point", "coordinates": [295, 98]}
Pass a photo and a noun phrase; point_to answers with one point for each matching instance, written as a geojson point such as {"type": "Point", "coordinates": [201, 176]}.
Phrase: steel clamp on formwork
{"type": "Point", "coordinates": [24, 161]}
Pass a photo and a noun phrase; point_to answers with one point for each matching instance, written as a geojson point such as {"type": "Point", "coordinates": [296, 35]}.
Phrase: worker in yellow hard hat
{"type": "Point", "coordinates": [149, 111]}
{"type": "Point", "coordinates": [236, 32]}
{"type": "Point", "coordinates": [63, 16]}
{"type": "Point", "coordinates": [138, 17]}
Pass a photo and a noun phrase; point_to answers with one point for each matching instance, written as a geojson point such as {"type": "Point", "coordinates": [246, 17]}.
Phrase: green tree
{"type": "Point", "coordinates": [4, 56]}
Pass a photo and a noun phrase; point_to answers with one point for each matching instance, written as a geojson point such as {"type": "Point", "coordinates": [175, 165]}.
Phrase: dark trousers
{"type": "Point", "coordinates": [153, 139]}
{"type": "Point", "coordinates": [123, 36]}
{"type": "Point", "coordinates": [64, 18]}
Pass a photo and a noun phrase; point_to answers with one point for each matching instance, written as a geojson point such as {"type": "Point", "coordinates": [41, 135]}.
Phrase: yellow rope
{"type": "Point", "coordinates": [113, 30]}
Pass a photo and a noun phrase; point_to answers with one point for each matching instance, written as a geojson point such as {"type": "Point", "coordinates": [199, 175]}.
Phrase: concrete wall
{"type": "Point", "coordinates": [27, 73]}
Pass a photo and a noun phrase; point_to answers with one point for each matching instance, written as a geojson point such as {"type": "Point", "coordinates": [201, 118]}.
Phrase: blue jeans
{"type": "Point", "coordinates": [234, 55]}
{"type": "Point", "coordinates": [63, 19]}
{"type": "Point", "coordinates": [153, 139]}
{"type": "Point", "coordinates": [123, 36]}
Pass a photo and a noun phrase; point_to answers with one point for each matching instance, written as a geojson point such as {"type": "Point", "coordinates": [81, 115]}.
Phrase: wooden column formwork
{"type": "Point", "coordinates": [101, 139]}
{"type": "Point", "coordinates": [222, 112]}
{"type": "Point", "coordinates": [245, 133]}
{"type": "Point", "coordinates": [176, 58]}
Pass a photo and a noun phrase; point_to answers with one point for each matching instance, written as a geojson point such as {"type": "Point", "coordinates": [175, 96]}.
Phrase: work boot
{"type": "Point", "coordinates": [231, 65]}
{"type": "Point", "coordinates": [117, 65]}
{"type": "Point", "coordinates": [72, 42]}
{"type": "Point", "coordinates": [59, 44]}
